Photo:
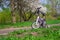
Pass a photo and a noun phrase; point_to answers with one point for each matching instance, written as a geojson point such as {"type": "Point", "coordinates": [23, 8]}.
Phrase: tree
{"type": "Point", "coordinates": [53, 7]}
{"type": "Point", "coordinates": [22, 6]}
{"type": "Point", "coordinates": [4, 3]}
{"type": "Point", "coordinates": [1, 5]}
{"type": "Point", "coordinates": [13, 10]}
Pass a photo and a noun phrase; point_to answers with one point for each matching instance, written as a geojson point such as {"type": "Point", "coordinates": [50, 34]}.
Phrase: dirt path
{"type": "Point", "coordinates": [54, 25]}
{"type": "Point", "coordinates": [6, 31]}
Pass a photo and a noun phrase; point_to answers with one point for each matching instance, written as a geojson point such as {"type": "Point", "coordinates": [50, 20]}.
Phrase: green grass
{"type": "Point", "coordinates": [53, 21]}
{"type": "Point", "coordinates": [52, 33]}
{"type": "Point", "coordinates": [18, 24]}
{"type": "Point", "coordinates": [24, 24]}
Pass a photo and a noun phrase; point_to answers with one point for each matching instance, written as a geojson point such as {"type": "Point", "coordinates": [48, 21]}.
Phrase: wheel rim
{"type": "Point", "coordinates": [35, 26]}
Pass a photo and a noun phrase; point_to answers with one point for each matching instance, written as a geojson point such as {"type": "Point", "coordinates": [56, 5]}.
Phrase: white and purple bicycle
{"type": "Point", "coordinates": [40, 22]}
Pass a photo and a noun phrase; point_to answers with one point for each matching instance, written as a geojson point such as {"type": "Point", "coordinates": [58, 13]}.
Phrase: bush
{"type": "Point", "coordinates": [58, 17]}
{"type": "Point", "coordinates": [5, 16]}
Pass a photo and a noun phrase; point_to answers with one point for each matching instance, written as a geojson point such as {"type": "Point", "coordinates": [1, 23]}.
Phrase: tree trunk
{"type": "Point", "coordinates": [53, 9]}
{"type": "Point", "coordinates": [13, 11]}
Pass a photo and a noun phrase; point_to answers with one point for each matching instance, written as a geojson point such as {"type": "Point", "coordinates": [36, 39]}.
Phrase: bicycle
{"type": "Point", "coordinates": [40, 22]}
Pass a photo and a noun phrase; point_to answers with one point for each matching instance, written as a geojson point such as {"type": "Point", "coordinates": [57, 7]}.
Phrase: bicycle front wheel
{"type": "Point", "coordinates": [35, 26]}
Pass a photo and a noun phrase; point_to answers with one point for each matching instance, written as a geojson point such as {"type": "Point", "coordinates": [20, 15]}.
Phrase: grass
{"type": "Point", "coordinates": [18, 24]}
{"type": "Point", "coordinates": [24, 24]}
{"type": "Point", "coordinates": [52, 33]}
{"type": "Point", "coordinates": [53, 21]}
